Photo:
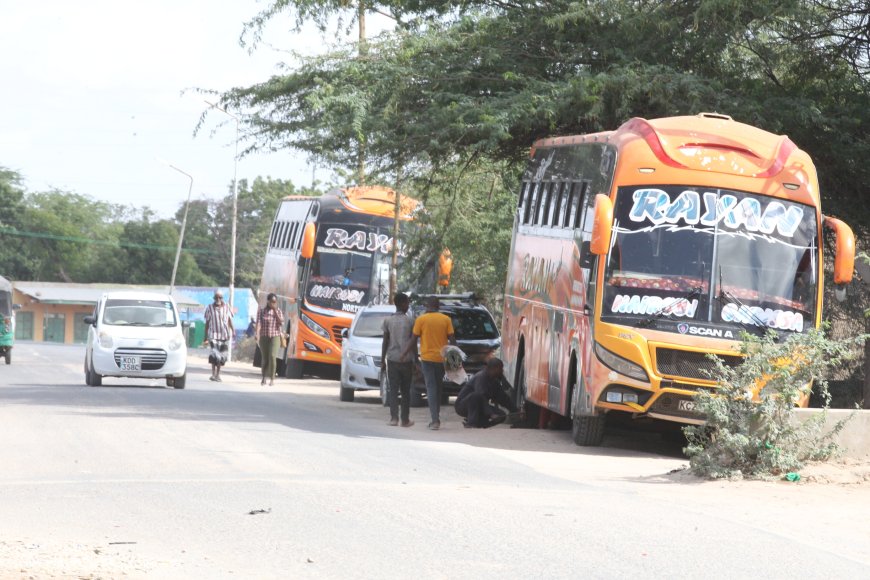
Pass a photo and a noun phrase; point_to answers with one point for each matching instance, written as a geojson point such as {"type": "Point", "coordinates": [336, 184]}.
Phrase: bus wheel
{"type": "Point", "coordinates": [531, 410]}
{"type": "Point", "coordinates": [8, 356]}
{"type": "Point", "coordinates": [586, 430]}
{"type": "Point", "coordinates": [345, 395]}
{"type": "Point", "coordinates": [294, 368]}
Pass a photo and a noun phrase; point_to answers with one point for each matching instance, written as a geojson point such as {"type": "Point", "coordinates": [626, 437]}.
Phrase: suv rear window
{"type": "Point", "coordinates": [471, 324]}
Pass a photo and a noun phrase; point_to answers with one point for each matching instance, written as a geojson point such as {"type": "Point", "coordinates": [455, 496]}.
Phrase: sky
{"type": "Point", "coordinates": [98, 97]}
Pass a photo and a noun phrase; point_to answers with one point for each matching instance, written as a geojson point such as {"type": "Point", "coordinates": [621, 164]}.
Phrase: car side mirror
{"type": "Point", "coordinates": [185, 324]}
{"type": "Point", "coordinates": [344, 332]}
{"type": "Point", "coordinates": [89, 319]}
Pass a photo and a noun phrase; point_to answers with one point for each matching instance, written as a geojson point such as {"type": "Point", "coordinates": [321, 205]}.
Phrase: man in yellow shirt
{"type": "Point", "coordinates": [433, 330]}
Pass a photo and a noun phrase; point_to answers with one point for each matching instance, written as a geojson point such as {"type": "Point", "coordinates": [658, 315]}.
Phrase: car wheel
{"type": "Point", "coordinates": [91, 376]}
{"type": "Point", "coordinates": [345, 394]}
{"type": "Point", "coordinates": [180, 382]}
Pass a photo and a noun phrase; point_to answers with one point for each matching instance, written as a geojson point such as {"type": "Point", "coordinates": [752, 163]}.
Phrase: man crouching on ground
{"type": "Point", "coordinates": [475, 400]}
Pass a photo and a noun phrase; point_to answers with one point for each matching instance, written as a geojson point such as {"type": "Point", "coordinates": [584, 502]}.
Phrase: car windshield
{"type": "Point", "coordinates": [5, 303]}
{"type": "Point", "coordinates": [370, 324]}
{"type": "Point", "coordinates": [712, 256]}
{"type": "Point", "coordinates": [127, 312]}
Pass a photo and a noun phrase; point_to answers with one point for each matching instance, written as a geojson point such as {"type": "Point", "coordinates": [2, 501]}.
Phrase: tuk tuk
{"type": "Point", "coordinates": [7, 319]}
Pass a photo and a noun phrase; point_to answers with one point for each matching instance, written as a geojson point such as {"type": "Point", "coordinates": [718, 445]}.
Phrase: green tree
{"type": "Point", "coordinates": [462, 79]}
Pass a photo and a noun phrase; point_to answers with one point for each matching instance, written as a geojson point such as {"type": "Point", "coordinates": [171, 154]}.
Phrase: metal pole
{"type": "Point", "coordinates": [235, 220]}
{"type": "Point", "coordinates": [183, 225]}
{"type": "Point", "coordinates": [235, 203]}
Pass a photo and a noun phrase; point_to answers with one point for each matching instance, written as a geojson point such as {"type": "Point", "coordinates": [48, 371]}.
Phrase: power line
{"type": "Point", "coordinates": [112, 243]}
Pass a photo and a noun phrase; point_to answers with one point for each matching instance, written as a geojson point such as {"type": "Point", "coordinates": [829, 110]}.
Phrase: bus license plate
{"type": "Point", "coordinates": [131, 363]}
{"type": "Point", "coordinates": [685, 405]}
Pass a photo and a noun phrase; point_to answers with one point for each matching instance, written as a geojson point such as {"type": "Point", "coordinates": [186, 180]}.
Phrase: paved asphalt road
{"type": "Point", "coordinates": [234, 480]}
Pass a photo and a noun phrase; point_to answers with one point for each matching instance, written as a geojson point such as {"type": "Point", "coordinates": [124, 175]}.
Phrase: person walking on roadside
{"type": "Point", "coordinates": [434, 331]}
{"type": "Point", "coordinates": [270, 327]}
{"type": "Point", "coordinates": [480, 396]}
{"type": "Point", "coordinates": [218, 330]}
{"type": "Point", "coordinates": [399, 362]}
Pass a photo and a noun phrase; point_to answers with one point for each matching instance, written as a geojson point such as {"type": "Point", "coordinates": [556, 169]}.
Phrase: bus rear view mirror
{"type": "Point", "coordinates": [844, 260]}
{"type": "Point", "coordinates": [308, 234]}
{"type": "Point", "coordinates": [603, 225]}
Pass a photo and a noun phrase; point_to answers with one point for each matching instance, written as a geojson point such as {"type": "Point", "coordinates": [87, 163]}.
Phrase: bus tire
{"type": "Point", "coordinates": [587, 430]}
{"type": "Point", "coordinates": [8, 356]}
{"type": "Point", "coordinates": [294, 368]}
{"type": "Point", "coordinates": [345, 395]}
{"type": "Point", "coordinates": [531, 411]}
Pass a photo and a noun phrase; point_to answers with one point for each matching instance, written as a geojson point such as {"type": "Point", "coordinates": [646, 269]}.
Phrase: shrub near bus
{"type": "Point", "coordinates": [638, 251]}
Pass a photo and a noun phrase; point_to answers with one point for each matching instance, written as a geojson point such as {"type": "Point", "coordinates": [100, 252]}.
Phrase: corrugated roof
{"type": "Point", "coordinates": [67, 293]}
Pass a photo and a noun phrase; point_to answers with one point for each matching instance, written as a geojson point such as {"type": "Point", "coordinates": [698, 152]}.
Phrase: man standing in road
{"type": "Point", "coordinates": [399, 362]}
{"type": "Point", "coordinates": [475, 400]}
{"type": "Point", "coordinates": [434, 331]}
{"type": "Point", "coordinates": [218, 330]}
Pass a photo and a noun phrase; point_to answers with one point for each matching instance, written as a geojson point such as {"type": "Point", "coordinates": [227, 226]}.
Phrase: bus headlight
{"type": "Point", "coordinates": [314, 327]}
{"type": "Point", "coordinates": [620, 365]}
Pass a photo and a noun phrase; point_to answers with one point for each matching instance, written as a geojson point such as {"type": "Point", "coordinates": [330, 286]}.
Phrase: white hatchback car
{"type": "Point", "coordinates": [136, 335]}
{"type": "Point", "coordinates": [361, 351]}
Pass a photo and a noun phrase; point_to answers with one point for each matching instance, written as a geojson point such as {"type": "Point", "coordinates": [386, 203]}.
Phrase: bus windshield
{"type": "Point", "coordinates": [347, 269]}
{"type": "Point", "coordinates": [718, 257]}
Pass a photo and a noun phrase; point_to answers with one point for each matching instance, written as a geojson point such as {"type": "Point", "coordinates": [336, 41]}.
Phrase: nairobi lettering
{"type": "Point", "coordinates": [336, 293]}
{"type": "Point", "coordinates": [359, 240]}
{"type": "Point", "coordinates": [626, 304]}
{"type": "Point", "coordinates": [656, 206]}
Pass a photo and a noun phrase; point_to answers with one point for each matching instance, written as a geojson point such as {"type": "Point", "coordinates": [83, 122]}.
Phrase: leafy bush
{"type": "Point", "coordinates": [750, 428]}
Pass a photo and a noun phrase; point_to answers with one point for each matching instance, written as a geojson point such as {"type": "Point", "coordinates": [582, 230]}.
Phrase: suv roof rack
{"type": "Point", "coordinates": [463, 297]}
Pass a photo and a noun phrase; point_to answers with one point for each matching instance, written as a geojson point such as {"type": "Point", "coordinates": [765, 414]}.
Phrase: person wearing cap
{"type": "Point", "coordinates": [480, 396]}
{"type": "Point", "coordinates": [218, 330]}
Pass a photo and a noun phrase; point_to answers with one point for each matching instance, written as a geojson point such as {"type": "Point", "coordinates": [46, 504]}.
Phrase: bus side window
{"type": "Point", "coordinates": [524, 200]}
{"type": "Point", "coordinates": [576, 196]}
{"type": "Point", "coordinates": [584, 207]}
{"type": "Point", "coordinates": [532, 207]}
{"type": "Point", "coordinates": [555, 204]}
{"type": "Point", "coordinates": [543, 203]}
{"type": "Point", "coordinates": [273, 240]}
{"type": "Point", "coordinates": [285, 235]}
{"type": "Point", "coordinates": [564, 201]}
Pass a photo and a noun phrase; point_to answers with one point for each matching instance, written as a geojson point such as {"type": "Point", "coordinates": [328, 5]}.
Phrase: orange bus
{"type": "Point", "coordinates": [638, 251]}
{"type": "Point", "coordinates": [328, 257]}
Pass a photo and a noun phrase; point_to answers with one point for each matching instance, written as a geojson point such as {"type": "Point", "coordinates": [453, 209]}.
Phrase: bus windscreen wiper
{"type": "Point", "coordinates": [724, 297]}
{"type": "Point", "coordinates": [667, 310]}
